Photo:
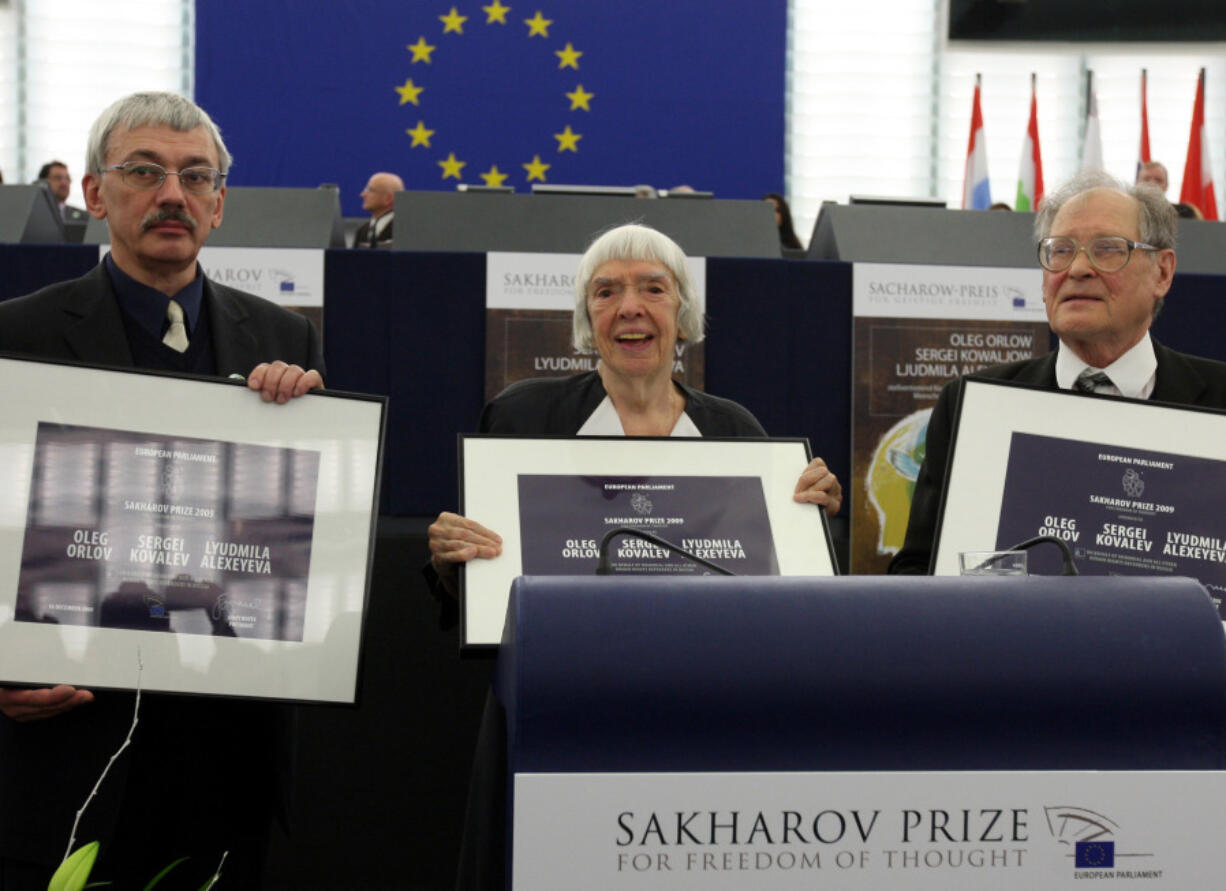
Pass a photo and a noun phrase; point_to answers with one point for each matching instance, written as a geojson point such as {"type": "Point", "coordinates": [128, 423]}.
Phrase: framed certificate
{"type": "Point", "coordinates": [728, 501]}
{"type": "Point", "coordinates": [1133, 487]}
{"type": "Point", "coordinates": [180, 535]}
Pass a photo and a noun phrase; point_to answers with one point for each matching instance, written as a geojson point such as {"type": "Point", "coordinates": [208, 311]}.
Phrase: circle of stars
{"type": "Point", "coordinates": [496, 13]}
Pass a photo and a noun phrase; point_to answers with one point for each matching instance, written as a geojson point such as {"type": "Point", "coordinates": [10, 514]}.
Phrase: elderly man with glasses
{"type": "Point", "coordinates": [1108, 257]}
{"type": "Point", "coordinates": [201, 775]}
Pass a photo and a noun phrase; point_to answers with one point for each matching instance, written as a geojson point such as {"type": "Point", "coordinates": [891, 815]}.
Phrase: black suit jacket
{"type": "Point", "coordinates": [80, 319]}
{"type": "Point", "coordinates": [48, 767]}
{"type": "Point", "coordinates": [558, 406]}
{"type": "Point", "coordinates": [361, 238]}
{"type": "Point", "coordinates": [1180, 379]}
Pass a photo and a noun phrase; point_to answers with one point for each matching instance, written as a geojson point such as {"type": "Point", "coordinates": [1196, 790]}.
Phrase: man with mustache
{"type": "Point", "coordinates": [201, 775]}
{"type": "Point", "coordinates": [1108, 256]}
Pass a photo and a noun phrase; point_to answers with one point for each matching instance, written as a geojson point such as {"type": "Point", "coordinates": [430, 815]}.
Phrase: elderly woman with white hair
{"type": "Point", "coordinates": [633, 302]}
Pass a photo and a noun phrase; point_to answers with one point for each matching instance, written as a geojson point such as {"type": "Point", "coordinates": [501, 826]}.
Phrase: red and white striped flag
{"type": "Point", "coordinates": [1197, 173]}
{"type": "Point", "coordinates": [1030, 176]}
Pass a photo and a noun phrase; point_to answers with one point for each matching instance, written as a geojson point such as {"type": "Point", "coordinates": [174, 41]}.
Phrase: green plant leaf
{"type": "Point", "coordinates": [74, 872]}
{"type": "Point", "coordinates": [161, 875]}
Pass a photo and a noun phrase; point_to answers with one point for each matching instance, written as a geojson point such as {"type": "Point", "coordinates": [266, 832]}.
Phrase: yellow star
{"type": "Point", "coordinates": [451, 167]}
{"type": "Point", "coordinates": [453, 22]}
{"type": "Point", "coordinates": [569, 56]}
{"type": "Point", "coordinates": [421, 136]}
{"type": "Point", "coordinates": [409, 92]}
{"type": "Point", "coordinates": [496, 12]}
{"type": "Point", "coordinates": [568, 140]}
{"type": "Point", "coordinates": [580, 98]}
{"type": "Point", "coordinates": [538, 25]}
{"type": "Point", "coordinates": [421, 50]}
{"type": "Point", "coordinates": [494, 176]}
{"type": "Point", "coordinates": [536, 168]}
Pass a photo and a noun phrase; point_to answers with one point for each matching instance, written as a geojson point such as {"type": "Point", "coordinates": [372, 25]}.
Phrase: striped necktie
{"type": "Point", "coordinates": [1091, 381]}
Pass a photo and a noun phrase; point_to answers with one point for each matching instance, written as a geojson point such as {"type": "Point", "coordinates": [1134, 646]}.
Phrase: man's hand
{"type": "Point", "coordinates": [455, 540]}
{"type": "Point", "coordinates": [34, 704]}
{"type": "Point", "coordinates": [278, 382]}
{"type": "Point", "coordinates": [817, 485]}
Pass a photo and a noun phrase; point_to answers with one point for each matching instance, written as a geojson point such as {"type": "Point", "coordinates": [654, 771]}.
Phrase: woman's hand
{"type": "Point", "coordinates": [817, 485]}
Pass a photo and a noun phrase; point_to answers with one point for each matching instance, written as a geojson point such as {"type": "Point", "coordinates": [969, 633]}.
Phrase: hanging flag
{"type": "Point", "coordinates": [1092, 148]}
{"type": "Point", "coordinates": [976, 191]}
{"type": "Point", "coordinates": [1197, 173]}
{"type": "Point", "coordinates": [1030, 177]}
{"type": "Point", "coordinates": [1143, 156]}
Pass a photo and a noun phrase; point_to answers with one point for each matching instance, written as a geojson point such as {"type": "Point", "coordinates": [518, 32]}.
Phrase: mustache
{"type": "Point", "coordinates": [177, 214]}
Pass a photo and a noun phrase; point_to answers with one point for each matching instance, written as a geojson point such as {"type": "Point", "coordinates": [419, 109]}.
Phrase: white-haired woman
{"type": "Point", "coordinates": [633, 302]}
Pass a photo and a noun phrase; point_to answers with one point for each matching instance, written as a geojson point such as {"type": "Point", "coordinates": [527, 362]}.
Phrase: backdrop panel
{"type": "Point", "coordinates": [644, 91]}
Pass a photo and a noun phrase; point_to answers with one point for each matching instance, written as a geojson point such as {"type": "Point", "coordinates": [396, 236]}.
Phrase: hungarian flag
{"type": "Point", "coordinates": [1030, 176]}
{"type": "Point", "coordinates": [1143, 156]}
{"type": "Point", "coordinates": [976, 191]}
{"type": "Point", "coordinates": [1197, 174]}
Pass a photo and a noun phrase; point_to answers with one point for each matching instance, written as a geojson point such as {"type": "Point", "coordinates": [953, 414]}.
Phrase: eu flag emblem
{"type": "Point", "coordinates": [1094, 855]}
{"type": "Point", "coordinates": [287, 287]}
{"type": "Point", "coordinates": [1019, 302]}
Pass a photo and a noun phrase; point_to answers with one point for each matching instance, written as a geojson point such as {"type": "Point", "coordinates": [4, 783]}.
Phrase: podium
{"type": "Point", "coordinates": [866, 674]}
{"type": "Point", "coordinates": [28, 215]}
{"type": "Point", "coordinates": [565, 224]}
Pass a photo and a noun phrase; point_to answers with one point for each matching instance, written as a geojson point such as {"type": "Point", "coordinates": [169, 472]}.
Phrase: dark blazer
{"type": "Point", "coordinates": [558, 406]}
{"type": "Point", "coordinates": [361, 238]}
{"type": "Point", "coordinates": [80, 319]}
{"type": "Point", "coordinates": [48, 767]}
{"type": "Point", "coordinates": [1180, 379]}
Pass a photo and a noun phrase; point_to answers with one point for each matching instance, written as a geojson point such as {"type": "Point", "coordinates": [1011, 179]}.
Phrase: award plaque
{"type": "Point", "coordinates": [1131, 486]}
{"type": "Point", "coordinates": [178, 534]}
{"type": "Point", "coordinates": [726, 501]}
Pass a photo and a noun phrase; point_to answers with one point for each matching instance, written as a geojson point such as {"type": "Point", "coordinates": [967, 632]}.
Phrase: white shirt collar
{"type": "Point", "coordinates": [604, 421]}
{"type": "Point", "coordinates": [381, 222]}
{"type": "Point", "coordinates": [1133, 373]}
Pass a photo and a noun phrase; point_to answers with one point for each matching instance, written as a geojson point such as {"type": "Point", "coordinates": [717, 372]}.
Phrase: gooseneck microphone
{"type": "Point", "coordinates": [603, 567]}
{"type": "Point", "coordinates": [1069, 567]}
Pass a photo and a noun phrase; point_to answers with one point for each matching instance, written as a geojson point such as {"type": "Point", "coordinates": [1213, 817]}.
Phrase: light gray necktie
{"type": "Point", "coordinates": [176, 334]}
{"type": "Point", "coordinates": [1091, 381]}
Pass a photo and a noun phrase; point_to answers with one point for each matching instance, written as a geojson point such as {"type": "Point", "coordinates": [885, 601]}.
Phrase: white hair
{"type": "Point", "coordinates": [151, 110]}
{"type": "Point", "coordinates": [636, 242]}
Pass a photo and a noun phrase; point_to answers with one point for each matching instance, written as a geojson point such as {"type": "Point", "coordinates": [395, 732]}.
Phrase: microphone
{"type": "Point", "coordinates": [1069, 567]}
{"type": "Point", "coordinates": [604, 568]}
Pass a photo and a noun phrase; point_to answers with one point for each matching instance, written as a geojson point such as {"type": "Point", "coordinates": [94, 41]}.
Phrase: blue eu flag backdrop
{"type": "Point", "coordinates": [667, 92]}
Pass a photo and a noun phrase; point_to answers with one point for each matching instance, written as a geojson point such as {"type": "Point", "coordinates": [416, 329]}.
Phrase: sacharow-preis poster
{"type": "Point", "coordinates": [167, 533]}
{"type": "Point", "coordinates": [915, 329]}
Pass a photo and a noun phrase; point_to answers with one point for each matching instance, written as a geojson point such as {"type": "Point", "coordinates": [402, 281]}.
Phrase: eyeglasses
{"type": "Point", "coordinates": [146, 175]}
{"type": "Point", "coordinates": [1110, 253]}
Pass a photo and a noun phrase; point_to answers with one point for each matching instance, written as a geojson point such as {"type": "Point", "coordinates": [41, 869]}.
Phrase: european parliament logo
{"type": "Point", "coordinates": [1094, 855]}
{"type": "Point", "coordinates": [498, 72]}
